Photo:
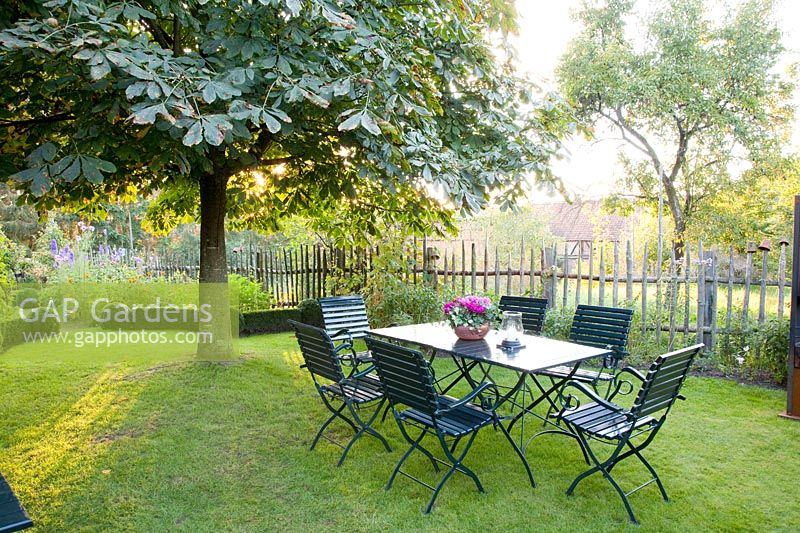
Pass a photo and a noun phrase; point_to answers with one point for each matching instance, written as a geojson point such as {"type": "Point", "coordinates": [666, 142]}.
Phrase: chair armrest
{"type": "Point", "coordinates": [617, 384]}
{"type": "Point", "coordinates": [478, 391]}
{"type": "Point", "coordinates": [362, 373]}
{"type": "Point", "coordinates": [570, 402]}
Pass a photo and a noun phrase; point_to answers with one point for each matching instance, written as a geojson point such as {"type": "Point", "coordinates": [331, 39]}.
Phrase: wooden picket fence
{"type": "Point", "coordinates": [702, 295]}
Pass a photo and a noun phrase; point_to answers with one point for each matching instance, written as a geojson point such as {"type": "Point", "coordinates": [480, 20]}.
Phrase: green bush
{"type": "Point", "coordinates": [557, 323]}
{"type": "Point", "coordinates": [390, 300]}
{"type": "Point", "coordinates": [310, 312]}
{"type": "Point", "coordinates": [267, 321]}
{"type": "Point", "coordinates": [13, 331]}
{"type": "Point", "coordinates": [758, 351]}
{"type": "Point", "coordinates": [251, 295]}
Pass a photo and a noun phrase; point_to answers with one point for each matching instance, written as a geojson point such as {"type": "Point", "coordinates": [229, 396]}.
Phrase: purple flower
{"type": "Point", "coordinates": [448, 307]}
{"type": "Point", "coordinates": [53, 247]}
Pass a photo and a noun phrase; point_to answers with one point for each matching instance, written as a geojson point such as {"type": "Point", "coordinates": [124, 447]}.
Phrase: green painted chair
{"type": "Point", "coordinates": [533, 311]}
{"type": "Point", "coordinates": [345, 395]}
{"type": "Point", "coordinates": [408, 385]}
{"type": "Point", "coordinates": [12, 515]}
{"type": "Point", "coordinates": [628, 431]}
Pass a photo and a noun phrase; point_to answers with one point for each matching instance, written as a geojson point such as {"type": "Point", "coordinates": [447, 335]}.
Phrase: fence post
{"type": "Point", "coordinates": [644, 292]}
{"type": "Point", "coordinates": [578, 276]}
{"type": "Point", "coordinates": [712, 300]}
{"type": "Point", "coordinates": [687, 273]}
{"type": "Point", "coordinates": [782, 276]}
{"type": "Point", "coordinates": [473, 279]}
{"type": "Point", "coordinates": [751, 249]}
{"type": "Point", "coordinates": [629, 272]}
{"type": "Point", "coordinates": [591, 274]}
{"type": "Point", "coordinates": [566, 276]}
{"type": "Point", "coordinates": [701, 296]}
{"type": "Point", "coordinates": [522, 266]}
{"type": "Point", "coordinates": [673, 293]}
{"type": "Point", "coordinates": [615, 276]}
{"type": "Point", "coordinates": [601, 295]}
{"type": "Point", "coordinates": [765, 247]}
{"type": "Point", "coordinates": [486, 263]}
{"type": "Point", "coordinates": [496, 270]}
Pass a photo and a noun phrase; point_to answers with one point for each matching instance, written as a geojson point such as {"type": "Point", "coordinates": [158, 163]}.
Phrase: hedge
{"type": "Point", "coordinates": [12, 332]}
{"type": "Point", "coordinates": [267, 321]}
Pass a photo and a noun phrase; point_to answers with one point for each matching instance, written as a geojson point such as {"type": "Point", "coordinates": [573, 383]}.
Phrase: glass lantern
{"type": "Point", "coordinates": [511, 329]}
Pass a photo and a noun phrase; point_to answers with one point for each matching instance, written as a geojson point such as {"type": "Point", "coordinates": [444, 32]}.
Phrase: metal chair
{"type": "Point", "coordinates": [12, 515]}
{"type": "Point", "coordinates": [533, 311]}
{"type": "Point", "coordinates": [602, 327]}
{"type": "Point", "coordinates": [344, 317]}
{"type": "Point", "coordinates": [357, 390]}
{"type": "Point", "coordinates": [606, 422]}
{"type": "Point", "coordinates": [408, 381]}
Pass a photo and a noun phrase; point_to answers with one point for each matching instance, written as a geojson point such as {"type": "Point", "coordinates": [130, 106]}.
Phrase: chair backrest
{"type": "Point", "coordinates": [664, 380]}
{"type": "Point", "coordinates": [602, 327]}
{"type": "Point", "coordinates": [344, 312]}
{"type": "Point", "coordinates": [405, 375]}
{"type": "Point", "coordinates": [533, 311]}
{"type": "Point", "coordinates": [318, 351]}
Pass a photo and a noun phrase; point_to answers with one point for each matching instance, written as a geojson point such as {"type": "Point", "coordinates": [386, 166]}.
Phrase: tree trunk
{"type": "Point", "coordinates": [215, 342]}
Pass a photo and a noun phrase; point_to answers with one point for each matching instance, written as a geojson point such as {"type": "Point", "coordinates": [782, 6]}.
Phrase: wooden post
{"type": "Point", "coordinates": [414, 261]}
{"type": "Point", "coordinates": [782, 277]}
{"type": "Point", "coordinates": [748, 273]}
{"type": "Point", "coordinates": [765, 247]}
{"type": "Point", "coordinates": [673, 292]}
{"type": "Point", "coordinates": [486, 263]}
{"type": "Point", "coordinates": [578, 277]}
{"type": "Point", "coordinates": [591, 273]}
{"type": "Point", "coordinates": [566, 276]}
{"type": "Point", "coordinates": [444, 278]}
{"type": "Point", "coordinates": [701, 289]}
{"type": "Point", "coordinates": [729, 302]}
{"type": "Point", "coordinates": [473, 279]}
{"type": "Point", "coordinates": [508, 275]}
{"type": "Point", "coordinates": [601, 295]}
{"type": "Point", "coordinates": [711, 301]}
{"type": "Point", "coordinates": [644, 292]}
{"type": "Point", "coordinates": [615, 276]}
{"type": "Point", "coordinates": [496, 271]}
{"type": "Point", "coordinates": [629, 272]}
{"type": "Point", "coordinates": [453, 270]}
{"type": "Point", "coordinates": [521, 266]}
{"type": "Point", "coordinates": [793, 381]}
{"type": "Point", "coordinates": [533, 267]}
{"type": "Point", "coordinates": [687, 273]}
{"type": "Point", "coordinates": [463, 267]}
{"type": "Point", "coordinates": [554, 276]}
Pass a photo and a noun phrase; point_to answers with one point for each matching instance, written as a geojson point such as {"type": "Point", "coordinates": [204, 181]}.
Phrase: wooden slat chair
{"type": "Point", "coordinates": [12, 516]}
{"type": "Point", "coordinates": [533, 311]}
{"type": "Point", "coordinates": [606, 422]}
{"type": "Point", "coordinates": [408, 381]}
{"type": "Point", "coordinates": [359, 389]}
{"type": "Point", "coordinates": [602, 327]}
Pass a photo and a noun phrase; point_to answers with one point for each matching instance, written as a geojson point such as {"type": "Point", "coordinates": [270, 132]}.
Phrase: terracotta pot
{"type": "Point", "coordinates": [467, 333]}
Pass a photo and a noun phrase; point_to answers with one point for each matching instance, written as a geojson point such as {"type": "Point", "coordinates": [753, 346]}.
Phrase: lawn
{"type": "Point", "coordinates": [157, 442]}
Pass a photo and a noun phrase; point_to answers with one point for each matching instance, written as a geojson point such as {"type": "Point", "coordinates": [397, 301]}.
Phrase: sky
{"type": "Point", "coordinates": [590, 168]}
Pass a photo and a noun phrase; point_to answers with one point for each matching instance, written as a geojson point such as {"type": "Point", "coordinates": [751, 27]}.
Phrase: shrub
{"type": "Point", "coordinates": [557, 323]}
{"type": "Point", "coordinates": [267, 321]}
{"type": "Point", "coordinates": [13, 330]}
{"type": "Point", "coordinates": [390, 300]}
{"type": "Point", "coordinates": [310, 312]}
{"type": "Point", "coordinates": [756, 350]}
{"type": "Point", "coordinates": [251, 296]}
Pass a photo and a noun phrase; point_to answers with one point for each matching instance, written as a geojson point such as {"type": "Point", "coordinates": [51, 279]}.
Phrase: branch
{"type": "Point", "coordinates": [161, 36]}
{"type": "Point", "coordinates": [59, 117]}
{"type": "Point", "coordinates": [176, 35]}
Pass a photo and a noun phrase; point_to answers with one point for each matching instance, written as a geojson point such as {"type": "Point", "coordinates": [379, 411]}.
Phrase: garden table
{"type": "Point", "coordinates": [537, 353]}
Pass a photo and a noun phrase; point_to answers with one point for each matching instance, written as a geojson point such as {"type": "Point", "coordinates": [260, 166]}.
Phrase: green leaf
{"type": "Point", "coordinates": [195, 134]}
{"type": "Point", "coordinates": [100, 70]}
{"type": "Point", "coordinates": [147, 115]}
{"type": "Point", "coordinates": [369, 124]}
{"type": "Point", "coordinates": [72, 171]}
{"type": "Point", "coordinates": [294, 7]}
{"type": "Point", "coordinates": [272, 125]}
{"type": "Point", "coordinates": [43, 154]}
{"type": "Point", "coordinates": [351, 123]}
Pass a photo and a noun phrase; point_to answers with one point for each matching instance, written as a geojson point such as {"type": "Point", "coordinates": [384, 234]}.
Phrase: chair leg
{"type": "Point", "coordinates": [337, 413]}
{"type": "Point", "coordinates": [365, 429]}
{"type": "Point", "coordinates": [455, 465]}
{"type": "Point", "coordinates": [637, 451]}
{"type": "Point", "coordinates": [414, 446]}
{"type": "Point", "coordinates": [603, 467]}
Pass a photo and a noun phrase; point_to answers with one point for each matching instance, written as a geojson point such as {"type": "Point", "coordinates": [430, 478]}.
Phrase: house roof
{"type": "Point", "coordinates": [584, 221]}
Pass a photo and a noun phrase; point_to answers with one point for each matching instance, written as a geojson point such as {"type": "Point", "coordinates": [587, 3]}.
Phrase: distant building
{"type": "Point", "coordinates": [582, 222]}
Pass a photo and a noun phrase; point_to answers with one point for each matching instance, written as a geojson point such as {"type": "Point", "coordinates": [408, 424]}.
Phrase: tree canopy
{"type": "Point", "coordinates": [689, 95]}
{"type": "Point", "coordinates": [373, 110]}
